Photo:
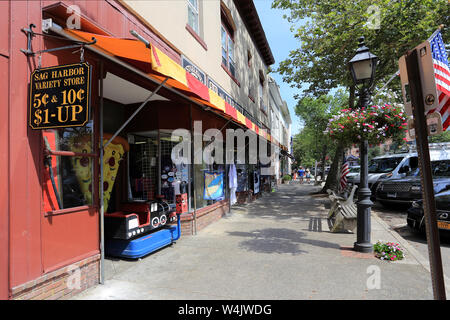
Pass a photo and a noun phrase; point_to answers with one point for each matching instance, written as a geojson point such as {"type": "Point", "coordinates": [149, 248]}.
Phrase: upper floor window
{"type": "Point", "coordinates": [262, 105]}
{"type": "Point", "coordinates": [228, 59]}
{"type": "Point", "coordinates": [193, 16]}
{"type": "Point", "coordinates": [227, 36]}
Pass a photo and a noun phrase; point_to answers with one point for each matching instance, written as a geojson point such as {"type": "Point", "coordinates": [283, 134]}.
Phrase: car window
{"type": "Point", "coordinates": [440, 168]}
{"type": "Point", "coordinates": [384, 165]}
{"type": "Point", "coordinates": [443, 200]}
{"type": "Point", "coordinates": [413, 173]}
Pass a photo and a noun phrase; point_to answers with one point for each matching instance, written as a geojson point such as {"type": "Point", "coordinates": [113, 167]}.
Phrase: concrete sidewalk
{"type": "Point", "coordinates": [278, 247]}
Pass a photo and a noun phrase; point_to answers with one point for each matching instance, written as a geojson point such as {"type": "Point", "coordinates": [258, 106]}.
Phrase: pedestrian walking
{"type": "Point", "coordinates": [308, 175]}
{"type": "Point", "coordinates": [301, 173]}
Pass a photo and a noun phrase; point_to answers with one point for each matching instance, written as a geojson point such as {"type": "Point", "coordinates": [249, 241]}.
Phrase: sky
{"type": "Point", "coordinates": [281, 42]}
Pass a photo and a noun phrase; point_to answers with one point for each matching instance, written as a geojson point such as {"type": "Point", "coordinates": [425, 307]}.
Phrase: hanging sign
{"type": "Point", "coordinates": [60, 96]}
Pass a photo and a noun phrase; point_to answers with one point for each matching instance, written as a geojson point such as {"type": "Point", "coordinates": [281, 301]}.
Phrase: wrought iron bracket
{"type": "Point", "coordinates": [31, 34]}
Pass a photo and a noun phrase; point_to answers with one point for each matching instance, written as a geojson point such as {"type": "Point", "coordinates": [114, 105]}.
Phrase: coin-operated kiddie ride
{"type": "Point", "coordinates": [140, 227]}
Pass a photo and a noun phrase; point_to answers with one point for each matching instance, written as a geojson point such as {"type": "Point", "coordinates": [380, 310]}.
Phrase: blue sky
{"type": "Point", "coordinates": [281, 41]}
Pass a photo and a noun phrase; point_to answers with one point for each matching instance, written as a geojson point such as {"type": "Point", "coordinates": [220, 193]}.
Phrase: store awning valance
{"type": "Point", "coordinates": [158, 65]}
{"type": "Point", "coordinates": [287, 154]}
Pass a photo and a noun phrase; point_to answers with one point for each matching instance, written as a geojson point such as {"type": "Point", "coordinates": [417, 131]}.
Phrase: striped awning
{"type": "Point", "coordinates": [157, 64]}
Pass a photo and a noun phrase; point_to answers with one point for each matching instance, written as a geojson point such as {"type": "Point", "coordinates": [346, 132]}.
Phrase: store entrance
{"type": "Point", "coordinates": [140, 213]}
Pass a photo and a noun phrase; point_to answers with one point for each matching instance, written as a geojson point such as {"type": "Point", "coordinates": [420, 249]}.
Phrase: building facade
{"type": "Point", "coordinates": [280, 128]}
{"type": "Point", "coordinates": [147, 77]}
{"type": "Point", "coordinates": [224, 42]}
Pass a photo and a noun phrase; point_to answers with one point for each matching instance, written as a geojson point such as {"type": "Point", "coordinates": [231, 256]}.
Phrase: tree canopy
{"type": "Point", "coordinates": [328, 33]}
{"type": "Point", "coordinates": [311, 143]}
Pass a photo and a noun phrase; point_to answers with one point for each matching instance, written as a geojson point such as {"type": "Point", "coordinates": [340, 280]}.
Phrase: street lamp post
{"type": "Point", "coordinates": [362, 68]}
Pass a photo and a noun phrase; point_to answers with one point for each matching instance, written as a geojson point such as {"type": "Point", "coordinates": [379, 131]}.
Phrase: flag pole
{"type": "Point", "coordinates": [435, 32]}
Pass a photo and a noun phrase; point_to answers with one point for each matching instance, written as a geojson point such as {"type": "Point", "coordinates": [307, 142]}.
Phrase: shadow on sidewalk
{"type": "Point", "coordinates": [288, 202]}
{"type": "Point", "coordinates": [279, 240]}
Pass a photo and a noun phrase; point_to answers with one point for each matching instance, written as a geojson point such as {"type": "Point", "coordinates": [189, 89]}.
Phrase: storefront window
{"type": "Point", "coordinates": [68, 167]}
{"type": "Point", "coordinates": [75, 181]}
{"type": "Point", "coordinates": [150, 168]}
{"type": "Point", "coordinates": [76, 139]}
{"type": "Point", "coordinates": [143, 166]}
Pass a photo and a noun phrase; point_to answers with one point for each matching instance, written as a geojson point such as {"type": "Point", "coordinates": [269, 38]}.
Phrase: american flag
{"type": "Point", "coordinates": [442, 77]}
{"type": "Point", "coordinates": [344, 171]}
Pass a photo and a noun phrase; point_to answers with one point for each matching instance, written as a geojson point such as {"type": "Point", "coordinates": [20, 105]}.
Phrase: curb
{"type": "Point", "coordinates": [411, 250]}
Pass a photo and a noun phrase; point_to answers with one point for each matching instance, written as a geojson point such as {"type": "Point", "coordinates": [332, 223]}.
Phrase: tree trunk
{"type": "Point", "coordinates": [335, 168]}
{"type": "Point", "coordinates": [332, 181]}
{"type": "Point", "coordinates": [322, 161]}
{"type": "Point", "coordinates": [351, 97]}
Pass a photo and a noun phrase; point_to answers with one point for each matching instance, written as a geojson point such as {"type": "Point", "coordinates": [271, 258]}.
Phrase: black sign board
{"type": "Point", "coordinates": [60, 96]}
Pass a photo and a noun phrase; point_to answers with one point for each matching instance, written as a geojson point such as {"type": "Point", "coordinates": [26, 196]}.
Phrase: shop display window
{"type": "Point", "coordinates": [68, 173]}
{"type": "Point", "coordinates": [143, 166]}
{"type": "Point", "coordinates": [75, 177]}
{"type": "Point", "coordinates": [151, 171]}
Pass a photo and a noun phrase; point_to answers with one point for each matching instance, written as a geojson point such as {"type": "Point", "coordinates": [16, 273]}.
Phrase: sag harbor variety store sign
{"type": "Point", "coordinates": [60, 96]}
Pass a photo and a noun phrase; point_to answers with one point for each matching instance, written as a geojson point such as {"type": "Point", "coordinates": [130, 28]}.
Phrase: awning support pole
{"type": "Point", "coordinates": [135, 112]}
{"type": "Point", "coordinates": [194, 196]}
{"type": "Point", "coordinates": [102, 208]}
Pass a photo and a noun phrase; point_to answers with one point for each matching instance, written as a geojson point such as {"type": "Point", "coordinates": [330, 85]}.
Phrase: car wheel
{"type": "Point", "coordinates": [414, 227]}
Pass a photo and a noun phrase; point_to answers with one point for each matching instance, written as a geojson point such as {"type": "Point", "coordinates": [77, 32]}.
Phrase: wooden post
{"type": "Point", "coordinates": [429, 205]}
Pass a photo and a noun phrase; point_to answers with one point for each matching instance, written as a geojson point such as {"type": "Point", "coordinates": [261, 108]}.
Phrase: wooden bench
{"type": "Point", "coordinates": [343, 212]}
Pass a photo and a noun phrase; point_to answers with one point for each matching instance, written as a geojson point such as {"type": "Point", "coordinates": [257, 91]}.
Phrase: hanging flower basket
{"type": "Point", "coordinates": [374, 123]}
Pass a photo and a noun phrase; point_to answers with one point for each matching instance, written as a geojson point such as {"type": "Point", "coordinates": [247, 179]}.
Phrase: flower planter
{"type": "Point", "coordinates": [374, 123]}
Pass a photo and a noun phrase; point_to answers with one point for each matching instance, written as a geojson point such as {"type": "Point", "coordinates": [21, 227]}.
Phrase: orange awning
{"type": "Point", "coordinates": [132, 51]}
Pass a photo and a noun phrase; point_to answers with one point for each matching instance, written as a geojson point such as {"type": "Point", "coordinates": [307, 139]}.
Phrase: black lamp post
{"type": "Point", "coordinates": [362, 68]}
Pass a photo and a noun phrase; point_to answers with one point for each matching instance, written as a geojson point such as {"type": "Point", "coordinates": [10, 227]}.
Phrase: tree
{"type": "Point", "coordinates": [442, 137]}
{"type": "Point", "coordinates": [328, 32]}
{"type": "Point", "coordinates": [311, 143]}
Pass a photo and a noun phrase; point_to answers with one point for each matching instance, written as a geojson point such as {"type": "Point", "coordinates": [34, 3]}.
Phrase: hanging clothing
{"type": "Point", "coordinates": [232, 176]}
{"type": "Point", "coordinates": [232, 183]}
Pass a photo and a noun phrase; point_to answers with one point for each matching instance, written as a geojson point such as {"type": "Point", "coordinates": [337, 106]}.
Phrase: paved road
{"type": "Point", "coordinates": [396, 219]}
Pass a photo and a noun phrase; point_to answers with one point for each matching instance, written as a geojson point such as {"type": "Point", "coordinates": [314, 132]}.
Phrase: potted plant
{"type": "Point", "coordinates": [286, 179]}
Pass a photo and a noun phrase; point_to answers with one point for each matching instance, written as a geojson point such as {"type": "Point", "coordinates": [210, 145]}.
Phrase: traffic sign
{"type": "Point", "coordinates": [429, 91]}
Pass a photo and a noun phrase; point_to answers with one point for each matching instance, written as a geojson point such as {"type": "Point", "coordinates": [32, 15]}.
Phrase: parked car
{"type": "Point", "coordinates": [408, 189]}
{"type": "Point", "coordinates": [353, 172]}
{"type": "Point", "coordinates": [397, 166]}
{"type": "Point", "coordinates": [415, 217]}
{"type": "Point", "coordinates": [387, 166]}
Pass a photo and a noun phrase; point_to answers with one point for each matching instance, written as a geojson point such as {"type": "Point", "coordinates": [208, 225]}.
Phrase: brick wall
{"type": "Point", "coordinates": [204, 216]}
{"type": "Point", "coordinates": [62, 283]}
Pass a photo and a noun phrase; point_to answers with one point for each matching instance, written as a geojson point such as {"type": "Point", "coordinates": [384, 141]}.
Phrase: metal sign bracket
{"type": "Point", "coordinates": [31, 34]}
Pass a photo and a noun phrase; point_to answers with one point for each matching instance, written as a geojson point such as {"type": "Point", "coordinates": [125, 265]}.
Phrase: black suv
{"type": "Point", "coordinates": [415, 218]}
{"type": "Point", "coordinates": [408, 189]}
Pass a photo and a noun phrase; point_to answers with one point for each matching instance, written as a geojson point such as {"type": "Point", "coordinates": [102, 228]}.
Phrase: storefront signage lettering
{"type": "Point", "coordinates": [60, 96]}
{"type": "Point", "coordinates": [224, 95]}
{"type": "Point", "coordinates": [193, 70]}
